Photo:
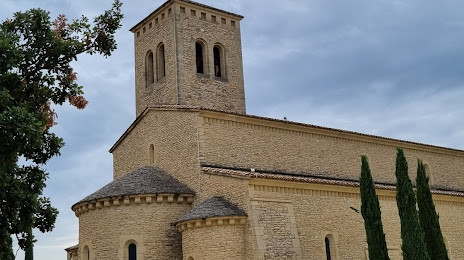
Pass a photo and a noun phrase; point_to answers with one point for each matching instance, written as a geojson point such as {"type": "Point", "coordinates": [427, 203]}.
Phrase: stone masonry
{"type": "Point", "coordinates": [276, 189]}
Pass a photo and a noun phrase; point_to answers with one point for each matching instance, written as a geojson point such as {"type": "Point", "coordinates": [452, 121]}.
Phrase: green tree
{"type": "Point", "coordinates": [370, 209]}
{"type": "Point", "coordinates": [413, 245]}
{"type": "Point", "coordinates": [428, 217]}
{"type": "Point", "coordinates": [35, 74]}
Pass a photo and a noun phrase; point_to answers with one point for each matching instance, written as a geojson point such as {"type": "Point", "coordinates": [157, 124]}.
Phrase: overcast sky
{"type": "Point", "coordinates": [385, 67]}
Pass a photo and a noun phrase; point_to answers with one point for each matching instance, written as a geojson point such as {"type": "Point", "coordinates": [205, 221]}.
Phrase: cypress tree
{"type": "Point", "coordinates": [370, 209]}
{"type": "Point", "coordinates": [428, 217]}
{"type": "Point", "coordinates": [413, 245]}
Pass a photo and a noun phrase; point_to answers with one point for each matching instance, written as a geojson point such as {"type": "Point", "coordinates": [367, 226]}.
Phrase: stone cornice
{"type": "Point", "coordinates": [209, 222]}
{"type": "Point", "coordinates": [84, 207]}
{"type": "Point", "coordinates": [168, 3]}
{"type": "Point", "coordinates": [273, 182]}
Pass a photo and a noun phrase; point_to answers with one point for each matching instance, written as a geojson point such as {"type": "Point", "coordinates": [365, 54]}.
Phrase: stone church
{"type": "Point", "coordinates": [196, 178]}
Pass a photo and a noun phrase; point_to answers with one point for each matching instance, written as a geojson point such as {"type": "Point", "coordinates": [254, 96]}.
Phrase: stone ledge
{"type": "Point", "coordinates": [209, 222]}
{"type": "Point", "coordinates": [132, 199]}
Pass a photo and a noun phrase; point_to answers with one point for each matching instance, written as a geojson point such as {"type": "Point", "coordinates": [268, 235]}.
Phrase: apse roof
{"type": "Point", "coordinates": [213, 207]}
{"type": "Point", "coordinates": [144, 180]}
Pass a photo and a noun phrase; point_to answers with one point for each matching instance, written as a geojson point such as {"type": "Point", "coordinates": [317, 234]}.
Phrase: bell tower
{"type": "Point", "coordinates": [189, 54]}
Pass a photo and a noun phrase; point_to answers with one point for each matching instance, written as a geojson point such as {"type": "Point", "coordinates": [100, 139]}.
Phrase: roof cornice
{"type": "Point", "coordinates": [170, 2]}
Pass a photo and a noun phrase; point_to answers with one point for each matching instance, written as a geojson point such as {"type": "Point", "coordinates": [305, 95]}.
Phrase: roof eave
{"type": "Point", "coordinates": [165, 4]}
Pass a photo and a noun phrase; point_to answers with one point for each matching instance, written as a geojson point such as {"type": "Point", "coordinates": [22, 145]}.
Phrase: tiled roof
{"type": "Point", "coordinates": [144, 180]}
{"type": "Point", "coordinates": [309, 179]}
{"type": "Point", "coordinates": [213, 207]}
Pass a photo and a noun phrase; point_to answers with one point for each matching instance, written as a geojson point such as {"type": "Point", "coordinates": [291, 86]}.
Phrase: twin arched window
{"type": "Point", "coordinates": [218, 59]}
{"type": "Point", "coordinates": [160, 65]}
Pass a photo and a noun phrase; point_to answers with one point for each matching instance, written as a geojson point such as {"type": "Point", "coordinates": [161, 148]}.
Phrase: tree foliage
{"type": "Point", "coordinates": [370, 209]}
{"type": "Point", "coordinates": [413, 245]}
{"type": "Point", "coordinates": [35, 74]}
{"type": "Point", "coordinates": [428, 217]}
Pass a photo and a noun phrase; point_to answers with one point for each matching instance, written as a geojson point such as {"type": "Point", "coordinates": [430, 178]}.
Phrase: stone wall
{"type": "Point", "coordinates": [250, 142]}
{"type": "Point", "coordinates": [212, 28]}
{"type": "Point", "coordinates": [173, 134]}
{"type": "Point", "coordinates": [291, 221]}
{"type": "Point", "coordinates": [107, 231]}
{"type": "Point", "coordinates": [158, 29]}
{"type": "Point", "coordinates": [214, 242]}
{"type": "Point", "coordinates": [178, 27]}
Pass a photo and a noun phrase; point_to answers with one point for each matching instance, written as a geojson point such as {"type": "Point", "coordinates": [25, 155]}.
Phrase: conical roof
{"type": "Point", "coordinates": [144, 180]}
{"type": "Point", "coordinates": [213, 207]}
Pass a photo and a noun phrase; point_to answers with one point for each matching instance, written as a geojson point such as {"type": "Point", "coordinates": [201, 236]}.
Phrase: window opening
{"type": "Point", "coordinates": [132, 252]}
{"type": "Point", "coordinates": [86, 253]}
{"type": "Point", "coordinates": [199, 57]}
{"type": "Point", "coordinates": [327, 248]}
{"type": "Point", "coordinates": [151, 154]}
{"type": "Point", "coordinates": [217, 52]}
{"type": "Point", "coordinates": [149, 72]}
{"type": "Point", "coordinates": [161, 71]}
{"type": "Point", "coordinates": [427, 174]}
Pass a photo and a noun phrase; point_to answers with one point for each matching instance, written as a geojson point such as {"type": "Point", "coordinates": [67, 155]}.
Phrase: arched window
{"type": "Point", "coordinates": [330, 247]}
{"type": "Point", "coordinates": [161, 62]}
{"type": "Point", "coordinates": [328, 253]}
{"type": "Point", "coordinates": [199, 57]}
{"type": "Point", "coordinates": [132, 252]}
{"type": "Point", "coordinates": [86, 253]}
{"type": "Point", "coordinates": [217, 61]}
{"type": "Point", "coordinates": [427, 174]}
{"type": "Point", "coordinates": [149, 71]}
{"type": "Point", "coordinates": [190, 258]}
{"type": "Point", "coordinates": [151, 154]}
{"type": "Point", "coordinates": [219, 65]}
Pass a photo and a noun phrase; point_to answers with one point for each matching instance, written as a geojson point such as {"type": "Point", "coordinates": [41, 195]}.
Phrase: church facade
{"type": "Point", "coordinates": [195, 177]}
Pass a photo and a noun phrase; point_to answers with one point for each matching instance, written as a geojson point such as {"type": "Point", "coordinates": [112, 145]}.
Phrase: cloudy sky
{"type": "Point", "coordinates": [392, 68]}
